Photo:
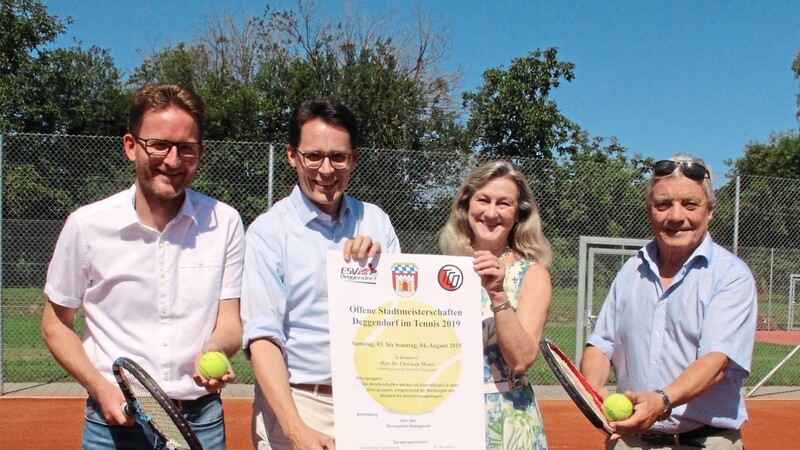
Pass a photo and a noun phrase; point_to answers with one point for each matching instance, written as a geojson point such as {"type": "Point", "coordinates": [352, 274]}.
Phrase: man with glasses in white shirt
{"type": "Point", "coordinates": [284, 291]}
{"type": "Point", "coordinates": [157, 270]}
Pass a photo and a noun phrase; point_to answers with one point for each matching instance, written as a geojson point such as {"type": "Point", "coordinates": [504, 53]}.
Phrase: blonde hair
{"type": "Point", "coordinates": [526, 237]}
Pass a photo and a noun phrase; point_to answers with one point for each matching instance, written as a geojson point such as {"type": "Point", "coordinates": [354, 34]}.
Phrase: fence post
{"type": "Point", "coordinates": [580, 319]}
{"type": "Point", "coordinates": [769, 293]}
{"type": "Point", "coordinates": [1, 265]}
{"type": "Point", "coordinates": [271, 172]}
{"type": "Point", "coordinates": [736, 218]}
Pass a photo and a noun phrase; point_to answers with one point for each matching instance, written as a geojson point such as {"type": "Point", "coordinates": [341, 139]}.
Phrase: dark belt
{"type": "Point", "coordinates": [326, 389]}
{"type": "Point", "coordinates": [188, 405]}
{"type": "Point", "coordinates": [684, 438]}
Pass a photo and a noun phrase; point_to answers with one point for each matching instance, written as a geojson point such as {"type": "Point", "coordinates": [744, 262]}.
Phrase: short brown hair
{"type": "Point", "coordinates": [156, 97]}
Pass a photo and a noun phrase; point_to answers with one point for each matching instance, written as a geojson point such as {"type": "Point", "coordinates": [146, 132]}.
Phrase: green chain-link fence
{"type": "Point", "coordinates": [45, 177]}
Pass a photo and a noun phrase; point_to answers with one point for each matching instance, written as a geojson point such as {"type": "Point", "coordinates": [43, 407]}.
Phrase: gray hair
{"type": "Point", "coordinates": [678, 172]}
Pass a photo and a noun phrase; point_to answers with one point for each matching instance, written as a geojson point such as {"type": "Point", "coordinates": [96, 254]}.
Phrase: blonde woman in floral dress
{"type": "Point", "coordinates": [495, 219]}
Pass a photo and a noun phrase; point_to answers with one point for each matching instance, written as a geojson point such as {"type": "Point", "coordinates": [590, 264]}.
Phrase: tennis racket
{"type": "Point", "coordinates": [145, 400]}
{"type": "Point", "coordinates": [579, 390]}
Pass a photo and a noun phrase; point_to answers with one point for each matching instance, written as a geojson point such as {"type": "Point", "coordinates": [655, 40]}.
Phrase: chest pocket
{"type": "Point", "coordinates": [199, 280]}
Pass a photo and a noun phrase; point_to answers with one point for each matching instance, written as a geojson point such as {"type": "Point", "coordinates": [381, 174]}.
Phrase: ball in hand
{"type": "Point", "coordinates": [617, 407]}
{"type": "Point", "coordinates": [213, 365]}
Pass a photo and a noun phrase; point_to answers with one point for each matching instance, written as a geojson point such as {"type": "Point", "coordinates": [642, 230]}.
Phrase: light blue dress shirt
{"type": "Point", "coordinates": [284, 286]}
{"type": "Point", "coordinates": [652, 335]}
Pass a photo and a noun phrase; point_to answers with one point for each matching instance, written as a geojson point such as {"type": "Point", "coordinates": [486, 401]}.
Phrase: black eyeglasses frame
{"type": "Point", "coordinates": [313, 165]}
{"type": "Point", "coordinates": [195, 149]}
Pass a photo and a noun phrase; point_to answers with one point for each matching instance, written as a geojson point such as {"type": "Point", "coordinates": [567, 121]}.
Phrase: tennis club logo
{"type": "Point", "coordinates": [450, 277]}
{"type": "Point", "coordinates": [366, 274]}
{"type": "Point", "coordinates": [404, 278]}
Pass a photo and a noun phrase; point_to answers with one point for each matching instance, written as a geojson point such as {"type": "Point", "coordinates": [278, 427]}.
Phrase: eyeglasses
{"type": "Point", "coordinates": [314, 160]}
{"type": "Point", "coordinates": [695, 171]}
{"type": "Point", "coordinates": [160, 148]}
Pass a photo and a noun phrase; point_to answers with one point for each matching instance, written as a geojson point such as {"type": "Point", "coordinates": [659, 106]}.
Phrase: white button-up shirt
{"type": "Point", "coordinates": [151, 296]}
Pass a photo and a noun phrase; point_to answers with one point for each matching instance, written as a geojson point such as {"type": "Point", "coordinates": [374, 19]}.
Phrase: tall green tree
{"type": "Point", "coordinates": [779, 157]}
{"type": "Point", "coordinates": [53, 90]}
{"type": "Point", "coordinates": [253, 72]}
{"type": "Point", "coordinates": [83, 93]}
{"type": "Point", "coordinates": [25, 29]}
{"type": "Point", "coordinates": [512, 113]}
{"type": "Point", "coordinates": [599, 191]}
{"type": "Point", "coordinates": [768, 181]}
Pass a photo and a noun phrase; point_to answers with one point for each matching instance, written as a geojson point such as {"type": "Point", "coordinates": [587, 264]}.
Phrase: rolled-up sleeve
{"type": "Point", "coordinates": [263, 297]}
{"type": "Point", "coordinates": [234, 259]}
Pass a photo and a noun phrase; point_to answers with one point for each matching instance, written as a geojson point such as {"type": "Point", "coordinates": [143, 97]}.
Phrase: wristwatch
{"type": "Point", "coordinates": [666, 409]}
{"type": "Point", "coordinates": [497, 308]}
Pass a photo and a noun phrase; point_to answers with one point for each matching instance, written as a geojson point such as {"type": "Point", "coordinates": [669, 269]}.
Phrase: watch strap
{"type": "Point", "coordinates": [497, 308]}
{"type": "Point", "coordinates": [666, 409]}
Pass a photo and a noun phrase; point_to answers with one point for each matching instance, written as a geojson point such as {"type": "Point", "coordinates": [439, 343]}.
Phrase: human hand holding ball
{"type": "Point", "coordinates": [617, 407]}
{"type": "Point", "coordinates": [213, 365]}
{"type": "Point", "coordinates": [213, 368]}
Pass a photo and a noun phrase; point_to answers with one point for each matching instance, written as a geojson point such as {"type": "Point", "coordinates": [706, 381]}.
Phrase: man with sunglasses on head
{"type": "Point", "coordinates": [284, 293]}
{"type": "Point", "coordinates": [678, 325]}
{"type": "Point", "coordinates": [157, 270]}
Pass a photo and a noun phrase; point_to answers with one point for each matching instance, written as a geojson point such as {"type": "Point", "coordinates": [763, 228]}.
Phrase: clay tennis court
{"type": "Point", "coordinates": [780, 337]}
{"type": "Point", "coordinates": [56, 422]}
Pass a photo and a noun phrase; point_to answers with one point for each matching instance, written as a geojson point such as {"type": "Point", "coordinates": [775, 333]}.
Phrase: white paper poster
{"type": "Point", "coordinates": [406, 352]}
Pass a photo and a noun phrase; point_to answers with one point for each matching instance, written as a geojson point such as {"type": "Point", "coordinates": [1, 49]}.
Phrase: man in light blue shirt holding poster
{"type": "Point", "coordinates": [284, 290]}
{"type": "Point", "coordinates": [678, 325]}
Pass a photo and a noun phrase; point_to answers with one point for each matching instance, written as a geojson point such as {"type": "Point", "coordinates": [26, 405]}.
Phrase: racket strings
{"type": "Point", "coordinates": [150, 408]}
{"type": "Point", "coordinates": [579, 390]}
{"type": "Point", "coordinates": [579, 386]}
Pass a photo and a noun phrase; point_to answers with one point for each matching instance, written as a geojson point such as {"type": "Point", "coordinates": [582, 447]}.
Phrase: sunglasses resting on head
{"type": "Point", "coordinates": [695, 171]}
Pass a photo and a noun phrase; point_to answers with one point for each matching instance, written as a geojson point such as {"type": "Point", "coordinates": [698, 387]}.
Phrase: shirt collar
{"type": "Point", "coordinates": [705, 250]}
{"type": "Point", "coordinates": [308, 211]}
{"type": "Point", "coordinates": [129, 216]}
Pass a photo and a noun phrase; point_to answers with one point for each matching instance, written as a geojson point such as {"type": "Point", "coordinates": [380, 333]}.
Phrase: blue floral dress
{"type": "Point", "coordinates": [513, 421]}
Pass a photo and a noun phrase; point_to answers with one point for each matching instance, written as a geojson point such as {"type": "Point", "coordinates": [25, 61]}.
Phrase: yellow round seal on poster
{"type": "Point", "coordinates": [407, 356]}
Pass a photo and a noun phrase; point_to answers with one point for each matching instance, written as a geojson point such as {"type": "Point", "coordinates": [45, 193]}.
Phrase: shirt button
{"type": "Point", "coordinates": [164, 344]}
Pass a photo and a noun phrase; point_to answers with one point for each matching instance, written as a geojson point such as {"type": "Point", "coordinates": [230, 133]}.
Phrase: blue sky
{"type": "Point", "coordinates": [698, 77]}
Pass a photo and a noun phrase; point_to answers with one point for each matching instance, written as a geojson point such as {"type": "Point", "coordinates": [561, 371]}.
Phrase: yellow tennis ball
{"type": "Point", "coordinates": [617, 407]}
{"type": "Point", "coordinates": [213, 365]}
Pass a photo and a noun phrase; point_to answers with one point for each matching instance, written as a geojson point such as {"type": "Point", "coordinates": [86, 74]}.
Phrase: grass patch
{"type": "Point", "coordinates": [766, 357]}
{"type": "Point", "coordinates": [26, 358]}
